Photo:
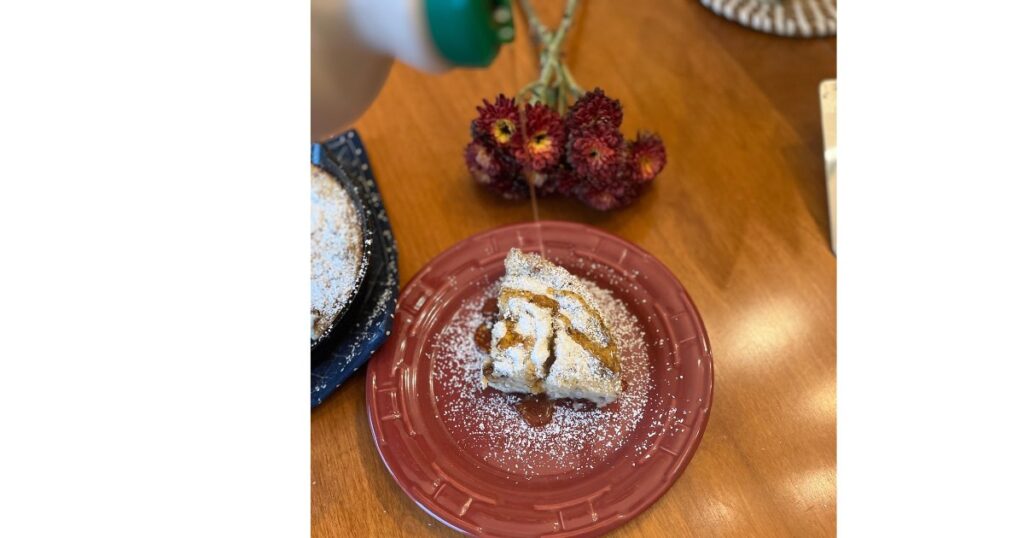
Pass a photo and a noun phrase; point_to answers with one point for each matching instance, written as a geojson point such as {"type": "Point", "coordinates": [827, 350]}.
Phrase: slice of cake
{"type": "Point", "coordinates": [550, 337]}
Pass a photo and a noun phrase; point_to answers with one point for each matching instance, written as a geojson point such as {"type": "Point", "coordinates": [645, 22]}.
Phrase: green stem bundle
{"type": "Point", "coordinates": [556, 85]}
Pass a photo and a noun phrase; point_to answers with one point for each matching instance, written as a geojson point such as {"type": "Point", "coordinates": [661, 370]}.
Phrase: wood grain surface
{"type": "Point", "coordinates": [739, 214]}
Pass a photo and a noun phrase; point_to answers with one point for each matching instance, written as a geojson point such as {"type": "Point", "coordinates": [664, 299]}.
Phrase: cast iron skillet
{"type": "Point", "coordinates": [368, 321]}
{"type": "Point", "coordinates": [356, 195]}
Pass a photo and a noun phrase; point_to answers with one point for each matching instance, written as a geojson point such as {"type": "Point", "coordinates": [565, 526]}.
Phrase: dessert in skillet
{"type": "Point", "coordinates": [336, 251]}
{"type": "Point", "coordinates": [550, 338]}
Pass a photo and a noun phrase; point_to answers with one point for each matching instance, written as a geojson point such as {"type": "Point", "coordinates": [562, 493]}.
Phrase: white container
{"type": "Point", "coordinates": [355, 42]}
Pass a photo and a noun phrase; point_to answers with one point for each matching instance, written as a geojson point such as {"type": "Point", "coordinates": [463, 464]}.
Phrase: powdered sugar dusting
{"type": "Point", "coordinates": [486, 424]}
{"type": "Point", "coordinates": [336, 251]}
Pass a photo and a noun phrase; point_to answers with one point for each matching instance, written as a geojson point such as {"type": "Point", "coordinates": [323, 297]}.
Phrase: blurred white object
{"type": "Point", "coordinates": [355, 42]}
{"type": "Point", "coordinates": [827, 91]}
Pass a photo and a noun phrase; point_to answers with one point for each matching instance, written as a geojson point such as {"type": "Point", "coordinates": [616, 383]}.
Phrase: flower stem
{"type": "Point", "coordinates": [539, 33]}
{"type": "Point", "coordinates": [555, 84]}
{"type": "Point", "coordinates": [554, 47]}
{"type": "Point", "coordinates": [575, 88]}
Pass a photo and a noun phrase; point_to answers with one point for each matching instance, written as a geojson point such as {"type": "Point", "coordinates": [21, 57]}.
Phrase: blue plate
{"type": "Point", "coordinates": [367, 323]}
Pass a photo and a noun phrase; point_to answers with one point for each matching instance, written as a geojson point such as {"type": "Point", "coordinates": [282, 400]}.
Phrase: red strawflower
{"type": "Point", "coordinates": [597, 199]}
{"type": "Point", "coordinates": [545, 137]}
{"type": "Point", "coordinates": [556, 180]}
{"type": "Point", "coordinates": [499, 122]}
{"type": "Point", "coordinates": [567, 182]}
{"type": "Point", "coordinates": [509, 187]}
{"type": "Point", "coordinates": [597, 155]}
{"type": "Point", "coordinates": [482, 161]}
{"type": "Point", "coordinates": [594, 110]}
{"type": "Point", "coordinates": [494, 170]}
{"type": "Point", "coordinates": [582, 155]}
{"type": "Point", "coordinates": [613, 193]}
{"type": "Point", "coordinates": [646, 156]}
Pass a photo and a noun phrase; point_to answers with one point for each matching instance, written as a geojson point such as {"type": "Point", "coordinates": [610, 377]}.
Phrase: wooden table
{"type": "Point", "coordinates": [739, 214]}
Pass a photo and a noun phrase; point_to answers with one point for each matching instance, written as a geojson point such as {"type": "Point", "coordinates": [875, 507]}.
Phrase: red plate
{"type": "Point", "coordinates": [458, 460]}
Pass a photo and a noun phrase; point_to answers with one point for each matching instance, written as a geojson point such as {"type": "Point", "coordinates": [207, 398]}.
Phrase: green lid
{"type": "Point", "coordinates": [468, 33]}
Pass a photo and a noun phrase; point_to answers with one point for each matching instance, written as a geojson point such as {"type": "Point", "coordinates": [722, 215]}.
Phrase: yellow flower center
{"type": "Point", "coordinates": [503, 130]}
{"type": "Point", "coordinates": [540, 143]}
{"type": "Point", "coordinates": [646, 167]}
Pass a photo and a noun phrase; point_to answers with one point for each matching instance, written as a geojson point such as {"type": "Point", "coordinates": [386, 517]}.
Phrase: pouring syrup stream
{"type": "Point", "coordinates": [528, 173]}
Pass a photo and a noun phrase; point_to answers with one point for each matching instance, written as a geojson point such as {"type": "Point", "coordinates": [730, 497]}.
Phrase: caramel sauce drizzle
{"type": "Point", "coordinates": [512, 338]}
{"type": "Point", "coordinates": [605, 354]}
{"type": "Point", "coordinates": [536, 410]}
